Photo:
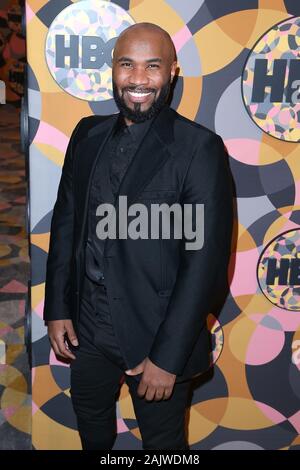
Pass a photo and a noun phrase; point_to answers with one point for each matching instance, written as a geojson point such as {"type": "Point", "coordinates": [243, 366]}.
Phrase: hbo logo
{"type": "Point", "coordinates": [95, 52]}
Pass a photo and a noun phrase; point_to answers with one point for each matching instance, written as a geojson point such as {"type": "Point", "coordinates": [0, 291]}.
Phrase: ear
{"type": "Point", "coordinates": [173, 70]}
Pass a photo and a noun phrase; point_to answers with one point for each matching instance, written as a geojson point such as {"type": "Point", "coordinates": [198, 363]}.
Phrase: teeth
{"type": "Point", "coordinates": [138, 95]}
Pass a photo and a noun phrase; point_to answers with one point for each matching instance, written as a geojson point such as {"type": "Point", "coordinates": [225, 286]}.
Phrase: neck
{"type": "Point", "coordinates": [128, 122]}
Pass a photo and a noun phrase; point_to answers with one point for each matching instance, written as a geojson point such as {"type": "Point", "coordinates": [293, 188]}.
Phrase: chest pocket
{"type": "Point", "coordinates": [158, 195]}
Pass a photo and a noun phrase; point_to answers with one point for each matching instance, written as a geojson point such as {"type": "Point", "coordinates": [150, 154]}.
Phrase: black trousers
{"type": "Point", "coordinates": [97, 374]}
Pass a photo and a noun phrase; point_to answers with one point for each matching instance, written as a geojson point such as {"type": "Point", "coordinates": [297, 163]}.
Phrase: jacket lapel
{"type": "Point", "coordinates": [151, 155]}
{"type": "Point", "coordinates": [155, 149]}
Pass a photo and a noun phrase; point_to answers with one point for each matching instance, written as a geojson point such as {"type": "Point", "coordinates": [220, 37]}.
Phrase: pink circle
{"type": "Point", "coordinates": [265, 343]}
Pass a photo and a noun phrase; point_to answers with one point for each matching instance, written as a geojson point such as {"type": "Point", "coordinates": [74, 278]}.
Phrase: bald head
{"type": "Point", "coordinates": [143, 67]}
{"type": "Point", "coordinates": [144, 31]}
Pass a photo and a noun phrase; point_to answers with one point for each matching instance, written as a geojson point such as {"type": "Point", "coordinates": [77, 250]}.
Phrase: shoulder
{"type": "Point", "coordinates": [198, 132]}
{"type": "Point", "coordinates": [207, 153]}
{"type": "Point", "coordinates": [86, 125]}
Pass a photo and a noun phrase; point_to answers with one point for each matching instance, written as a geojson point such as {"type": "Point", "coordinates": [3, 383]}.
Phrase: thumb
{"type": "Point", "coordinates": [71, 334]}
{"type": "Point", "coordinates": [136, 370]}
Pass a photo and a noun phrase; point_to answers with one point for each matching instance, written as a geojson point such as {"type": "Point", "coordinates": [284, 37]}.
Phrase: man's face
{"type": "Point", "coordinates": [142, 72]}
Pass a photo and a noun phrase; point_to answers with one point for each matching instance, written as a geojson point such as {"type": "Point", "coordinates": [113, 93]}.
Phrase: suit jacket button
{"type": "Point", "coordinates": [164, 293]}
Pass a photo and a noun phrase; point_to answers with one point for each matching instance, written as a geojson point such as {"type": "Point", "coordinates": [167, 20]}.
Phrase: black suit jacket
{"type": "Point", "coordinates": [159, 293]}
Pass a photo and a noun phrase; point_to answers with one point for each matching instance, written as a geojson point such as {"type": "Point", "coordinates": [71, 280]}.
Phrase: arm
{"type": "Point", "coordinates": [208, 182]}
{"type": "Point", "coordinates": [61, 242]}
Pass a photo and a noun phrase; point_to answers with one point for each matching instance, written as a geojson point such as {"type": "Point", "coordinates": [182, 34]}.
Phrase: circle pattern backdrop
{"type": "Point", "coordinates": [254, 341]}
{"type": "Point", "coordinates": [272, 72]}
{"type": "Point", "coordinates": [87, 20]}
{"type": "Point", "coordinates": [278, 271]}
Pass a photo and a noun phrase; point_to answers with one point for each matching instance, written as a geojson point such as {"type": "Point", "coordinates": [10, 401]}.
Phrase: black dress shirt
{"type": "Point", "coordinates": [121, 148]}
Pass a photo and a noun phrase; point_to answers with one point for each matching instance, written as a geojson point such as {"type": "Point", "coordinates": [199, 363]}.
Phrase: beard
{"type": "Point", "coordinates": [136, 115]}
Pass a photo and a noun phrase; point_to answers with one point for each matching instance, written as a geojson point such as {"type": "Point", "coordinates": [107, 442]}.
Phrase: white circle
{"type": "Point", "coordinates": [79, 47]}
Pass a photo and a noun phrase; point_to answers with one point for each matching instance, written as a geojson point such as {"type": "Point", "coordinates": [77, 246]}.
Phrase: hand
{"type": "Point", "coordinates": [157, 382]}
{"type": "Point", "coordinates": [56, 332]}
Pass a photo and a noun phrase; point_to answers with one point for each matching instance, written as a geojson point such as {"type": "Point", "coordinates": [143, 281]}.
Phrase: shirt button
{"type": "Point", "coordinates": [121, 149]}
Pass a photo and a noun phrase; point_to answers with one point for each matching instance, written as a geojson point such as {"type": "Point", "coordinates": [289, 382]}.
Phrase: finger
{"type": "Point", "coordinates": [68, 351]}
{"type": "Point", "coordinates": [54, 346]}
{"type": "Point", "coordinates": [136, 371]}
{"type": "Point", "coordinates": [131, 372]}
{"type": "Point", "coordinates": [71, 334]}
{"type": "Point", "coordinates": [168, 393]}
{"type": "Point", "coordinates": [60, 341]}
{"type": "Point", "coordinates": [159, 394]}
{"type": "Point", "coordinates": [142, 388]}
{"type": "Point", "coordinates": [150, 393]}
{"type": "Point", "coordinates": [139, 369]}
{"type": "Point", "coordinates": [57, 350]}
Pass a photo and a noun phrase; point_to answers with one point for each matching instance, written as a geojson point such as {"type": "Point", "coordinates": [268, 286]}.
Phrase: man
{"type": "Point", "coordinates": [136, 305]}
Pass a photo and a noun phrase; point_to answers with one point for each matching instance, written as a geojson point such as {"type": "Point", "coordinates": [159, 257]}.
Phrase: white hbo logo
{"type": "Point", "coordinates": [79, 47]}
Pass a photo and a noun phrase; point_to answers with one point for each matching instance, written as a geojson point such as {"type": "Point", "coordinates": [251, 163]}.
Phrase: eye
{"type": "Point", "coordinates": [153, 65]}
{"type": "Point", "coordinates": [125, 64]}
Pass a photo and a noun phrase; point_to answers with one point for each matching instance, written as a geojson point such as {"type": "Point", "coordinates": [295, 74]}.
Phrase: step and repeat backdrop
{"type": "Point", "coordinates": [239, 76]}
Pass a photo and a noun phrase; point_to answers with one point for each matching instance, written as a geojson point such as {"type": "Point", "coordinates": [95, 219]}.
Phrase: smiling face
{"type": "Point", "coordinates": [143, 67]}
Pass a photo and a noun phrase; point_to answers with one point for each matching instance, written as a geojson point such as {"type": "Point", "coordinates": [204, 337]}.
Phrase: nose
{"type": "Point", "coordinates": [138, 76]}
